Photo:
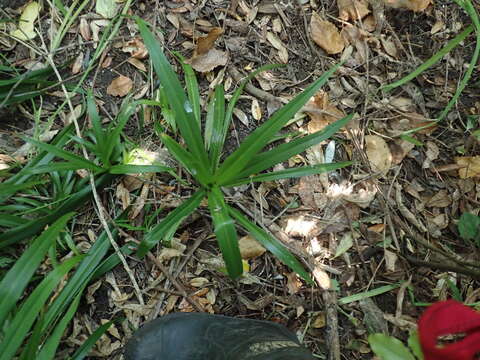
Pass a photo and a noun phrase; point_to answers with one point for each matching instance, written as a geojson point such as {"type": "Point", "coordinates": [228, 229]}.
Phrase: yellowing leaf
{"type": "Point", "coordinates": [250, 248]}
{"type": "Point", "coordinates": [26, 29]}
{"type": "Point", "coordinates": [378, 153]}
{"type": "Point", "coordinates": [120, 86]}
{"type": "Point", "coordinates": [470, 166]}
{"type": "Point", "coordinates": [326, 35]}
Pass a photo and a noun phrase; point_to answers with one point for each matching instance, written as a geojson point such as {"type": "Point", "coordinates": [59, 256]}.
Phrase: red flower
{"type": "Point", "coordinates": [449, 318]}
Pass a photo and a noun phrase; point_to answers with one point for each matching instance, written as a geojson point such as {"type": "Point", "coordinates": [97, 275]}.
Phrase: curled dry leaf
{"type": "Point", "coordinates": [278, 44]}
{"type": "Point", "coordinates": [137, 63]}
{"type": "Point", "coordinates": [321, 112]}
{"type": "Point", "coordinates": [352, 9]}
{"type": "Point", "coordinates": [26, 30]}
{"type": "Point", "coordinates": [84, 29]}
{"type": "Point", "coordinates": [250, 248]}
{"type": "Point", "coordinates": [136, 48]}
{"type": "Point", "coordinates": [256, 110]}
{"type": "Point", "coordinates": [470, 166]}
{"type": "Point", "coordinates": [77, 64]}
{"type": "Point", "coordinates": [120, 86]}
{"type": "Point", "coordinates": [378, 153]}
{"type": "Point", "coordinates": [205, 58]}
{"type": "Point", "coordinates": [414, 5]}
{"type": "Point", "coordinates": [326, 35]}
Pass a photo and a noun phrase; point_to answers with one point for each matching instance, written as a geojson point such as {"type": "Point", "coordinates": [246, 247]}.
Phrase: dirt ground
{"type": "Point", "coordinates": [388, 222]}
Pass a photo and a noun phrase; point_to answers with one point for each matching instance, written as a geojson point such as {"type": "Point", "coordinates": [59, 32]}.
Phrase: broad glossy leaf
{"type": "Point", "coordinates": [17, 278]}
{"type": "Point", "coordinates": [292, 173]}
{"type": "Point", "coordinates": [283, 152]}
{"type": "Point", "coordinates": [271, 244]}
{"type": "Point", "coordinates": [225, 232]}
{"type": "Point", "coordinates": [167, 227]}
{"type": "Point", "coordinates": [389, 348]}
{"type": "Point", "coordinates": [237, 161]}
{"type": "Point", "coordinates": [28, 312]}
{"type": "Point", "coordinates": [180, 105]}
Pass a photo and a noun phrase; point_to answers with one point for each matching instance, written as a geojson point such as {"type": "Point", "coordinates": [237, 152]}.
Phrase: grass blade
{"type": "Point", "coordinates": [285, 151]}
{"type": "Point", "coordinates": [138, 169]}
{"type": "Point", "coordinates": [193, 90]}
{"type": "Point", "coordinates": [83, 350]}
{"type": "Point", "coordinates": [23, 320]}
{"type": "Point", "coordinates": [48, 350]}
{"type": "Point", "coordinates": [271, 244]}
{"type": "Point", "coordinates": [215, 138]}
{"type": "Point", "coordinates": [97, 128]}
{"type": "Point", "coordinates": [237, 161]}
{"type": "Point", "coordinates": [430, 62]}
{"type": "Point", "coordinates": [56, 166]}
{"type": "Point", "coordinates": [65, 155]}
{"type": "Point", "coordinates": [9, 189]}
{"type": "Point", "coordinates": [292, 173]}
{"type": "Point", "coordinates": [17, 278]}
{"type": "Point", "coordinates": [113, 138]}
{"type": "Point", "coordinates": [181, 107]}
{"type": "Point", "coordinates": [167, 227]}
{"type": "Point", "coordinates": [225, 232]}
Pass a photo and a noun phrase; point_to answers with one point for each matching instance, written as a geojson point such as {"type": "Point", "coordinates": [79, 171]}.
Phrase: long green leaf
{"type": "Point", "coordinates": [75, 159]}
{"type": "Point", "coordinates": [237, 161]}
{"type": "Point", "coordinates": [186, 159]}
{"type": "Point", "coordinates": [389, 348]}
{"type": "Point", "coordinates": [271, 244]}
{"type": "Point", "coordinates": [180, 105]}
{"type": "Point", "coordinates": [83, 350]}
{"type": "Point", "coordinates": [170, 223]}
{"type": "Point", "coordinates": [98, 131]}
{"type": "Point", "coordinates": [54, 167]}
{"type": "Point", "coordinates": [138, 169]}
{"type": "Point", "coordinates": [50, 347]}
{"type": "Point", "coordinates": [193, 90]}
{"type": "Point", "coordinates": [267, 159]}
{"type": "Point", "coordinates": [8, 189]}
{"type": "Point", "coordinates": [225, 232]}
{"type": "Point", "coordinates": [113, 137]}
{"type": "Point", "coordinates": [18, 277]}
{"type": "Point", "coordinates": [215, 139]}
{"type": "Point", "coordinates": [23, 320]}
{"type": "Point", "coordinates": [292, 173]}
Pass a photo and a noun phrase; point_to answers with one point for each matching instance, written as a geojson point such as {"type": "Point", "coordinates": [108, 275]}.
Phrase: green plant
{"type": "Point", "coordinates": [469, 228]}
{"type": "Point", "coordinates": [390, 348]}
{"type": "Point", "coordinates": [201, 157]}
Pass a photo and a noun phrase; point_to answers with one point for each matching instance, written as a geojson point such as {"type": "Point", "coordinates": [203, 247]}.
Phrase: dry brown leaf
{"type": "Point", "coordinates": [470, 166]}
{"type": "Point", "coordinates": [205, 43]}
{"type": "Point", "coordinates": [293, 283]}
{"type": "Point", "coordinates": [250, 248]}
{"type": "Point", "coordinates": [389, 47]}
{"type": "Point", "coordinates": [84, 29]}
{"type": "Point", "coordinates": [278, 44]}
{"type": "Point", "coordinates": [414, 5]}
{"type": "Point", "coordinates": [137, 63]}
{"type": "Point", "coordinates": [378, 153]}
{"type": "Point", "coordinates": [136, 48]}
{"type": "Point", "coordinates": [326, 35]}
{"type": "Point", "coordinates": [320, 321]}
{"type": "Point", "coordinates": [209, 61]}
{"type": "Point", "coordinates": [77, 64]}
{"type": "Point", "coordinates": [439, 25]}
{"type": "Point", "coordinates": [256, 110]}
{"type": "Point", "coordinates": [352, 9]}
{"type": "Point", "coordinates": [441, 199]}
{"type": "Point", "coordinates": [120, 86]}
{"type": "Point", "coordinates": [321, 112]}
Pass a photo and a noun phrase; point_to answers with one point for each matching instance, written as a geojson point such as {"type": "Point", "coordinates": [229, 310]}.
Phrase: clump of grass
{"type": "Point", "coordinates": [201, 157]}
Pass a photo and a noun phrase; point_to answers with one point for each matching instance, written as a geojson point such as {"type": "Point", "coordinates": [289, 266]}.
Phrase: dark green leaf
{"type": "Point", "coordinates": [214, 139]}
{"type": "Point", "coordinates": [469, 226]}
{"type": "Point", "coordinates": [138, 169]}
{"type": "Point", "coordinates": [389, 348]}
{"type": "Point", "coordinates": [225, 232]}
{"type": "Point", "coordinates": [271, 244]}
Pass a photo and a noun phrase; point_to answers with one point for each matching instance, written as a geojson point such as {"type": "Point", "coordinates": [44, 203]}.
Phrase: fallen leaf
{"type": "Point", "coordinates": [26, 30]}
{"type": "Point", "coordinates": [209, 61]}
{"type": "Point", "coordinates": [352, 9]}
{"type": "Point", "coordinates": [84, 29]}
{"type": "Point", "coordinates": [137, 63]}
{"type": "Point", "coordinates": [414, 5]}
{"type": "Point", "coordinates": [205, 43]}
{"type": "Point", "coordinates": [439, 25]}
{"type": "Point", "coordinates": [378, 153]}
{"type": "Point", "coordinates": [389, 47]}
{"type": "Point", "coordinates": [106, 8]}
{"type": "Point", "coordinates": [120, 86]}
{"type": "Point", "coordinates": [470, 166]}
{"type": "Point", "coordinates": [345, 244]}
{"type": "Point", "coordinates": [293, 283]}
{"type": "Point", "coordinates": [320, 321]}
{"type": "Point", "coordinates": [326, 35]}
{"type": "Point", "coordinates": [77, 64]}
{"type": "Point", "coordinates": [250, 248]}
{"type": "Point", "coordinates": [321, 112]}
{"type": "Point", "coordinates": [441, 199]}
{"type": "Point", "coordinates": [256, 110]}
{"type": "Point", "coordinates": [278, 44]}
{"type": "Point", "coordinates": [136, 48]}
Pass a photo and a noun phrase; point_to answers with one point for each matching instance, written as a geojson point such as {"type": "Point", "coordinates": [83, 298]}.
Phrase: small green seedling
{"type": "Point", "coordinates": [201, 157]}
{"type": "Point", "coordinates": [390, 348]}
{"type": "Point", "coordinates": [469, 228]}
